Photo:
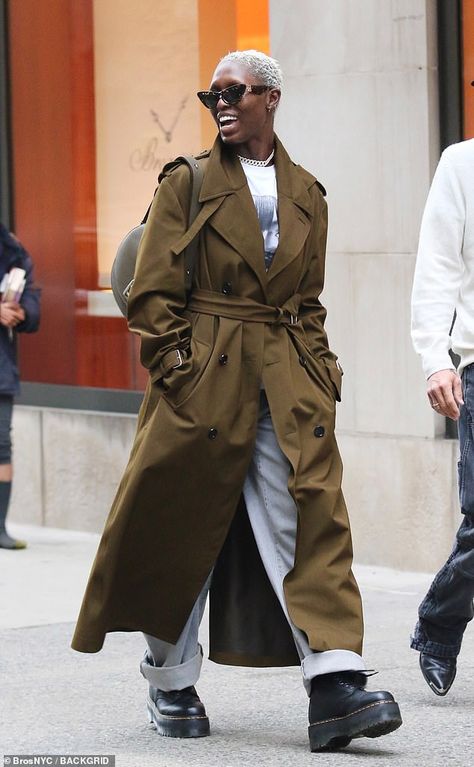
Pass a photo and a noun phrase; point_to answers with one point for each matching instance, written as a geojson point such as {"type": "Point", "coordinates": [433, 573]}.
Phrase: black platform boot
{"type": "Point", "coordinates": [177, 713]}
{"type": "Point", "coordinates": [341, 709]}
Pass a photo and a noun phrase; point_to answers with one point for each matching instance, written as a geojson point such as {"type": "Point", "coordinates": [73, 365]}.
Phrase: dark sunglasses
{"type": "Point", "coordinates": [231, 95]}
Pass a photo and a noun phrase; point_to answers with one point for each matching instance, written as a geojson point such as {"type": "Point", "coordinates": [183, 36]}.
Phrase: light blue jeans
{"type": "Point", "coordinates": [273, 516]}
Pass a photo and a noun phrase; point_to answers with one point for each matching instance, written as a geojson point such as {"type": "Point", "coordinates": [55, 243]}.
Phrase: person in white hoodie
{"type": "Point", "coordinates": [443, 320]}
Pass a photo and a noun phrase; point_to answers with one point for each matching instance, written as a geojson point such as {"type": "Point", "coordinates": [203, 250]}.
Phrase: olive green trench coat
{"type": "Point", "coordinates": [178, 512]}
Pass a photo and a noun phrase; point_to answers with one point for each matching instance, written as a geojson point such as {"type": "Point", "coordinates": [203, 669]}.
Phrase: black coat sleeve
{"type": "Point", "coordinates": [30, 300]}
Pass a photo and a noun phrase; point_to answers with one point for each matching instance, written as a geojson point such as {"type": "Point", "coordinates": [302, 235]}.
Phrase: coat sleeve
{"type": "Point", "coordinates": [30, 300]}
{"type": "Point", "coordinates": [158, 296]}
{"type": "Point", "coordinates": [312, 312]}
{"type": "Point", "coordinates": [439, 268]}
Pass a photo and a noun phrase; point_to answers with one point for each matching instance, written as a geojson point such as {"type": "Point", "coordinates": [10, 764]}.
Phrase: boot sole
{"type": "Point", "coordinates": [178, 727]}
{"type": "Point", "coordinates": [370, 722]}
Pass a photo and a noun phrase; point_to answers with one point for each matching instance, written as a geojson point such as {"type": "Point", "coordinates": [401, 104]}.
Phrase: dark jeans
{"type": "Point", "coordinates": [6, 409]}
{"type": "Point", "coordinates": [448, 606]}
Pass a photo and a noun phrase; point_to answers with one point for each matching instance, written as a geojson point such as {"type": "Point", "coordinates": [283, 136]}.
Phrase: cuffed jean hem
{"type": "Point", "coordinates": [168, 678]}
{"type": "Point", "coordinates": [417, 642]}
{"type": "Point", "coordinates": [329, 662]}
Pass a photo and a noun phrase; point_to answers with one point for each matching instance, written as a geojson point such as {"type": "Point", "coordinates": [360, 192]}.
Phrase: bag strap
{"type": "Point", "coordinates": [191, 252]}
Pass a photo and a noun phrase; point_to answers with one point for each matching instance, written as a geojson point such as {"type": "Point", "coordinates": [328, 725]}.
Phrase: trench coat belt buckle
{"type": "Point", "coordinates": [173, 359]}
{"type": "Point", "coordinates": [285, 317]}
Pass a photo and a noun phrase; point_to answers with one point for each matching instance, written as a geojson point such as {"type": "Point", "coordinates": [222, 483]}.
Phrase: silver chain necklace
{"type": "Point", "coordinates": [257, 163]}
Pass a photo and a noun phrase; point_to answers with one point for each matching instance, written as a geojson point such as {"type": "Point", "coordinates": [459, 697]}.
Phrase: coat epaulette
{"type": "Point", "coordinates": [168, 169]}
{"type": "Point", "coordinates": [171, 166]}
{"type": "Point", "coordinates": [310, 179]}
{"type": "Point", "coordinates": [203, 154]}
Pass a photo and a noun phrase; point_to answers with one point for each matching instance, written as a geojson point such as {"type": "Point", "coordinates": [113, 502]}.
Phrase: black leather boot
{"type": "Point", "coordinates": [177, 713]}
{"type": "Point", "coordinates": [341, 709]}
{"type": "Point", "coordinates": [6, 541]}
{"type": "Point", "coordinates": [438, 672]}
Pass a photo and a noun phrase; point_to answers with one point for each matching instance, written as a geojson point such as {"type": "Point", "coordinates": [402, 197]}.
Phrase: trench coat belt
{"type": "Point", "coordinates": [233, 308]}
{"type": "Point", "coordinates": [244, 309]}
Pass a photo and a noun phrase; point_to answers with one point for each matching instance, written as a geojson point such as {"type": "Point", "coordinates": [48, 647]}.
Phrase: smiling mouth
{"type": "Point", "coordinates": [224, 120]}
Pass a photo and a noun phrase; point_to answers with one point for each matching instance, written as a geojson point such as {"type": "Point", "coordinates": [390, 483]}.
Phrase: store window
{"type": "Point", "coordinates": [102, 95]}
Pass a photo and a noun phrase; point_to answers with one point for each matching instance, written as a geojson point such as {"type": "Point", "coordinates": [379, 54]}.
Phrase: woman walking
{"type": "Point", "coordinates": [234, 480]}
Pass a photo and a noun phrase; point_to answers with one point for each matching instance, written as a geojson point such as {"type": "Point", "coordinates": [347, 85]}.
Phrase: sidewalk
{"type": "Point", "coordinates": [54, 701]}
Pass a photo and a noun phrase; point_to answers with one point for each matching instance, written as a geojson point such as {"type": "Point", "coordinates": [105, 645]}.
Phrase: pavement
{"type": "Point", "coordinates": [56, 701]}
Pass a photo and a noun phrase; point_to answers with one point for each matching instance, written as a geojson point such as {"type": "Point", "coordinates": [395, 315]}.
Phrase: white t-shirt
{"type": "Point", "coordinates": [263, 188]}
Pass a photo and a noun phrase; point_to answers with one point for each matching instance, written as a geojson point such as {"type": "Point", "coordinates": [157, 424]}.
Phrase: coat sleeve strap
{"type": "Point", "coordinates": [173, 359]}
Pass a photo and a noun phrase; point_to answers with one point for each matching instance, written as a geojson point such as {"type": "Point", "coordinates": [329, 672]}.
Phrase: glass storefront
{"type": "Point", "coordinates": [102, 95]}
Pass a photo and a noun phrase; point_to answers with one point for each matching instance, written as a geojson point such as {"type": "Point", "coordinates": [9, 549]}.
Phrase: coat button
{"type": "Point", "coordinates": [302, 359]}
{"type": "Point", "coordinates": [223, 359]}
{"type": "Point", "coordinates": [212, 433]}
{"type": "Point", "coordinates": [319, 431]}
{"type": "Point", "coordinates": [227, 288]}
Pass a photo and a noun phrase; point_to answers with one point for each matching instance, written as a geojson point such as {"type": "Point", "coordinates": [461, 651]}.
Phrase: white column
{"type": "Point", "coordinates": [360, 111]}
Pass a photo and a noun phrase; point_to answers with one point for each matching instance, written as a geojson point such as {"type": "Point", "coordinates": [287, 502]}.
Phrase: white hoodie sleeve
{"type": "Point", "coordinates": [439, 268]}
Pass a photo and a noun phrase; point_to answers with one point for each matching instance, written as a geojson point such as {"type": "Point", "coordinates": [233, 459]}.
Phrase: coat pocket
{"type": "Point", "coordinates": [324, 373]}
{"type": "Point", "coordinates": [335, 374]}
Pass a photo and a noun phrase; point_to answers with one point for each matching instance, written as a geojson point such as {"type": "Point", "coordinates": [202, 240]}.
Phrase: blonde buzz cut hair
{"type": "Point", "coordinates": [261, 66]}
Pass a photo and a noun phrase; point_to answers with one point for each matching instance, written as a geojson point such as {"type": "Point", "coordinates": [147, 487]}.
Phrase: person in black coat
{"type": "Point", "coordinates": [21, 316]}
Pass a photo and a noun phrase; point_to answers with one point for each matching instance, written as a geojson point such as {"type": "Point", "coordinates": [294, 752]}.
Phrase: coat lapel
{"type": "Point", "coordinates": [295, 211]}
{"type": "Point", "coordinates": [230, 210]}
{"type": "Point", "coordinates": [237, 223]}
{"type": "Point", "coordinates": [235, 220]}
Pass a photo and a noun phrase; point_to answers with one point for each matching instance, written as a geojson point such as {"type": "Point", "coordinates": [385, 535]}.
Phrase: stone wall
{"type": "Point", "coordinates": [360, 110]}
{"type": "Point", "coordinates": [67, 465]}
